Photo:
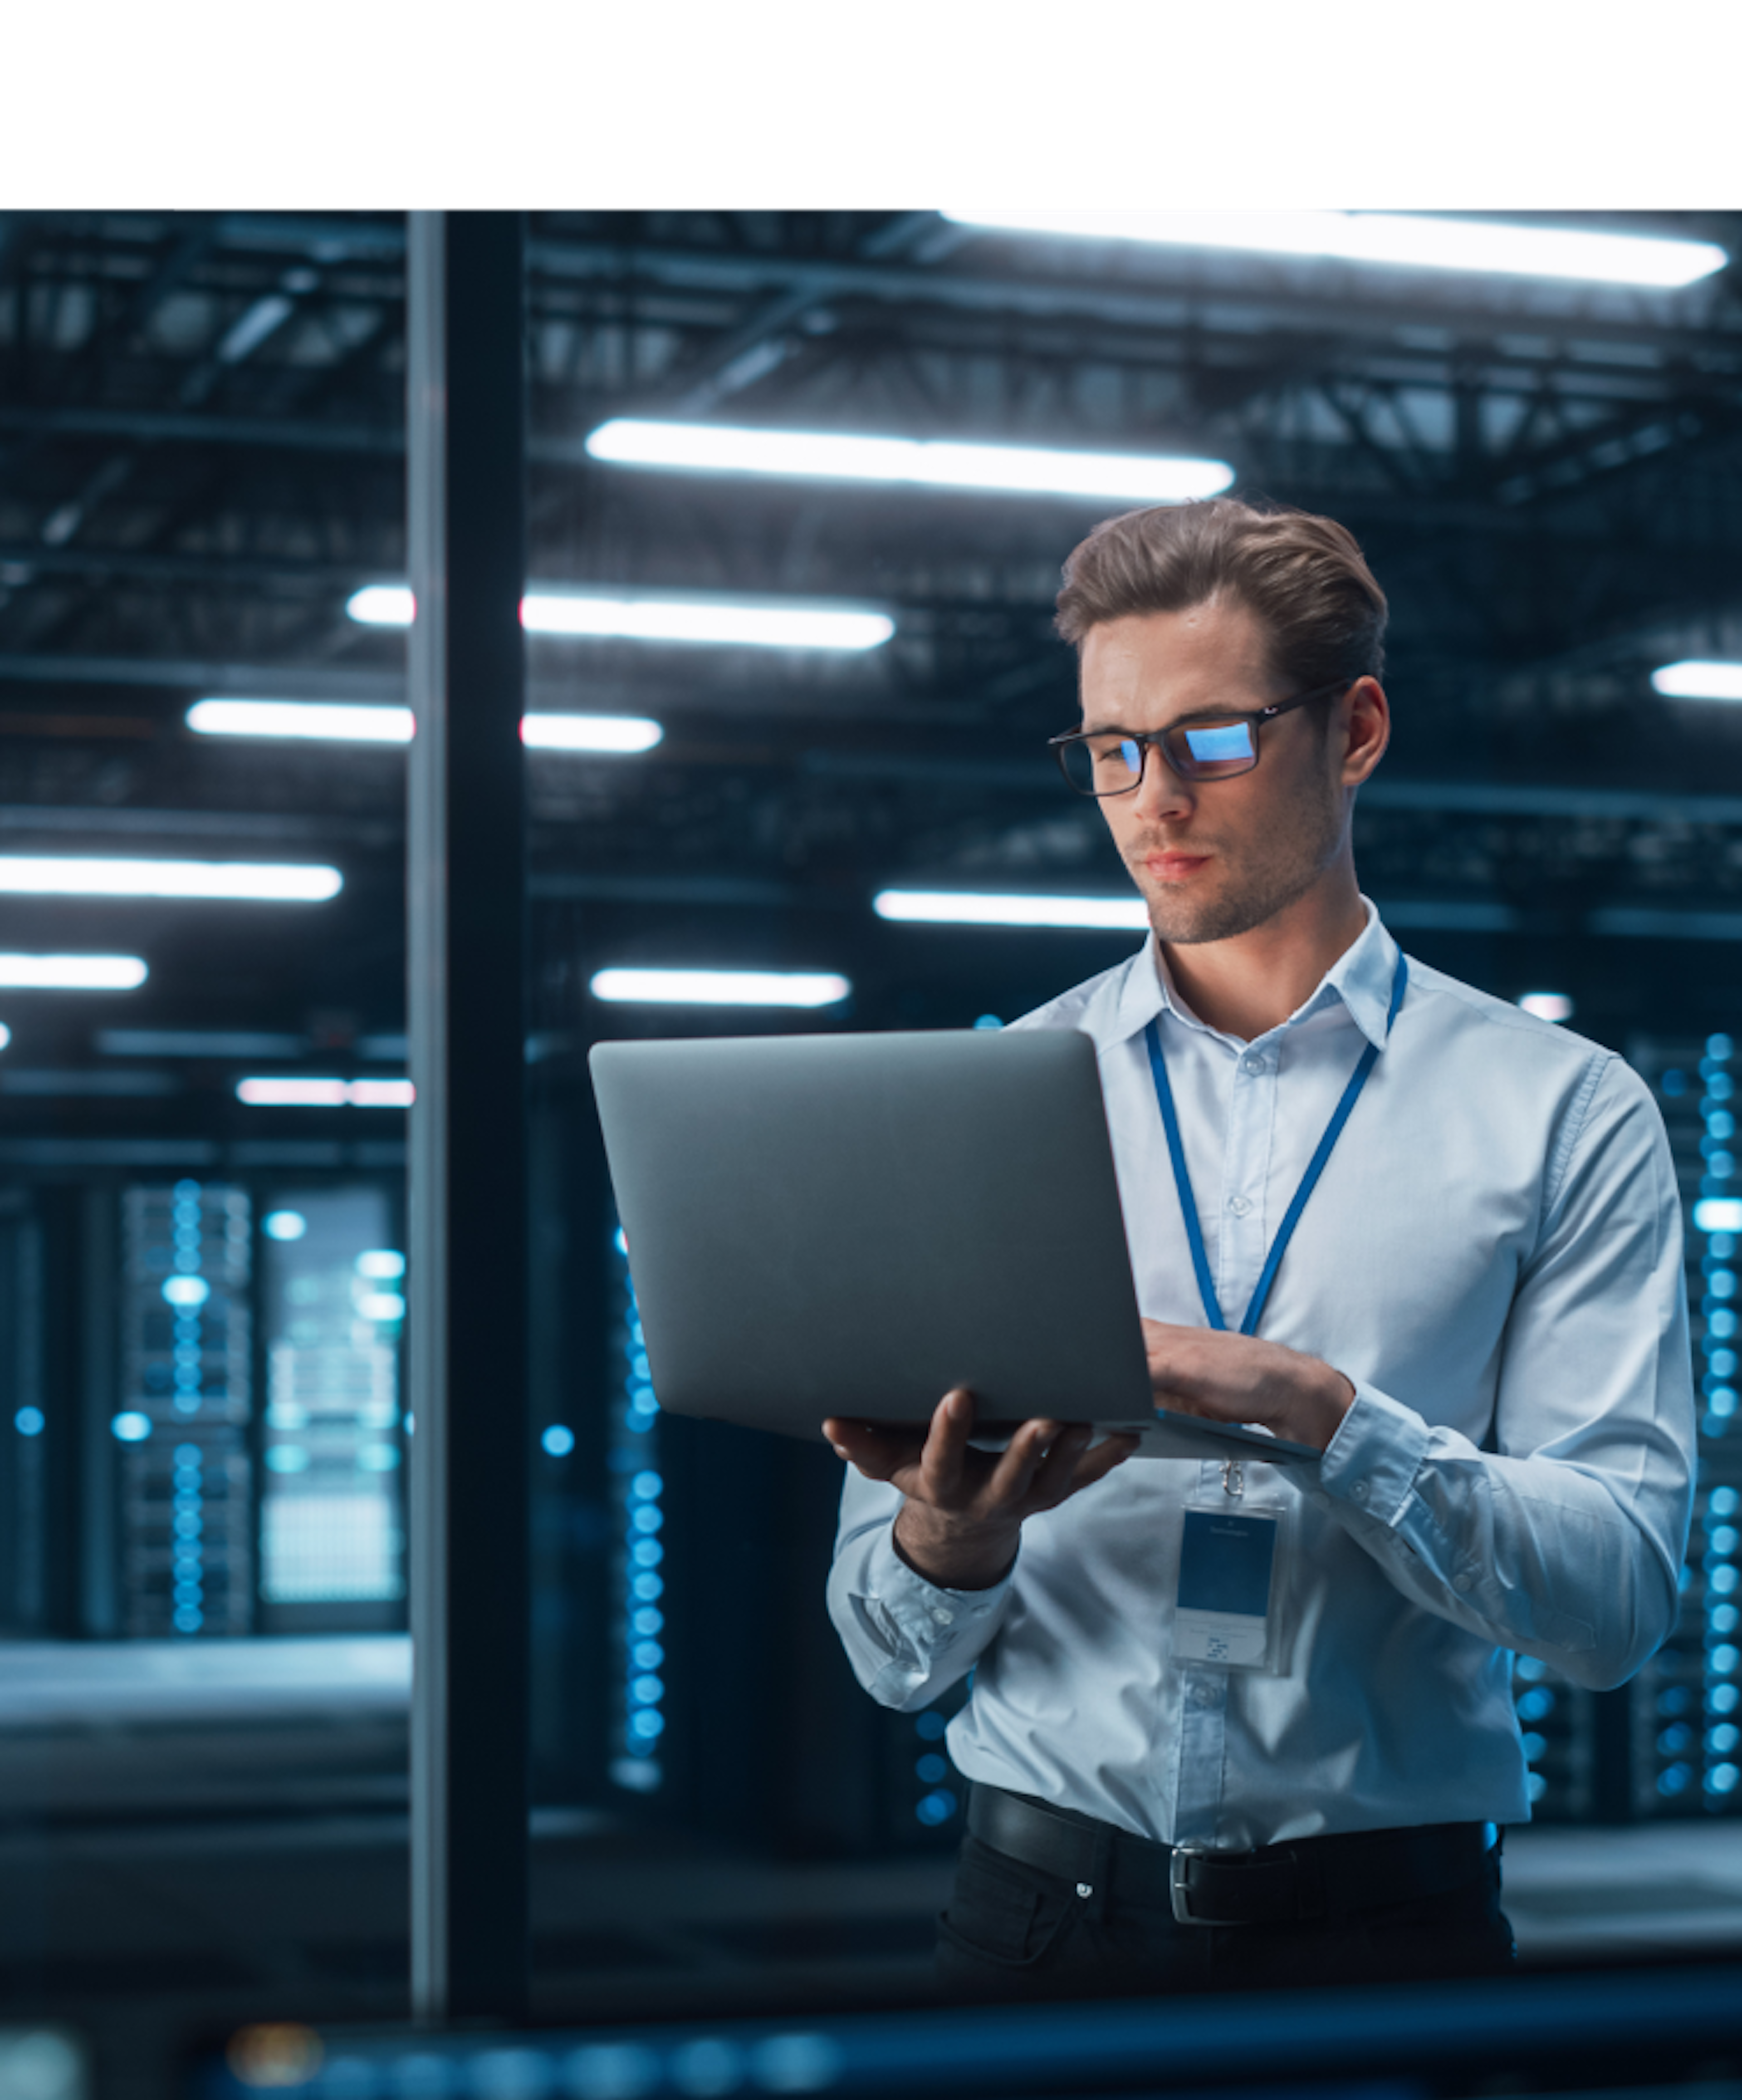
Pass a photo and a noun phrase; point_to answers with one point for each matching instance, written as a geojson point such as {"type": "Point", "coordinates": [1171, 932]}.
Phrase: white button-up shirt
{"type": "Point", "coordinates": [1494, 1259]}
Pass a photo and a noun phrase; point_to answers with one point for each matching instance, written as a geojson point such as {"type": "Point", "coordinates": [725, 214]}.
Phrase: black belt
{"type": "Point", "coordinates": [1308, 1879]}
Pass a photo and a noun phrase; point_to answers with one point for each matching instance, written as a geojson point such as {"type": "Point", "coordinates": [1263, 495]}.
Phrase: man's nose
{"type": "Point", "coordinates": [1161, 792]}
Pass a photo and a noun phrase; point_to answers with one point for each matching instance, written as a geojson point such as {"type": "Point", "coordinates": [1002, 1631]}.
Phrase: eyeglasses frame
{"type": "Point", "coordinates": [1187, 769]}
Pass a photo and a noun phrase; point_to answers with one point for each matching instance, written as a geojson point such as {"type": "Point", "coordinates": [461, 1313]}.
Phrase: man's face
{"type": "Point", "coordinates": [1214, 858]}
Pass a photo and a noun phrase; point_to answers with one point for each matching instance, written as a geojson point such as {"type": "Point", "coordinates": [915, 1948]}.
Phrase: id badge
{"type": "Point", "coordinates": [1227, 1609]}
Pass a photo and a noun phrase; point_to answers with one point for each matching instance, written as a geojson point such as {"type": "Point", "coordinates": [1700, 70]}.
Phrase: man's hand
{"type": "Point", "coordinates": [1237, 1378]}
{"type": "Point", "coordinates": [960, 1525]}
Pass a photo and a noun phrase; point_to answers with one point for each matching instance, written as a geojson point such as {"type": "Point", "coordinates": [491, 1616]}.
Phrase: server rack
{"type": "Point", "coordinates": [1686, 1730]}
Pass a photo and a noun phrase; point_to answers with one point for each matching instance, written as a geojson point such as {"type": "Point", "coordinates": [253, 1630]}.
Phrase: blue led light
{"type": "Point", "coordinates": [1723, 1502]}
{"type": "Point", "coordinates": [932, 1769]}
{"type": "Point", "coordinates": [130, 1427]}
{"type": "Point", "coordinates": [29, 1421]}
{"type": "Point", "coordinates": [557, 1440]}
{"type": "Point", "coordinates": [646, 1487]}
{"type": "Point", "coordinates": [647, 1620]}
{"type": "Point", "coordinates": [647, 1586]}
{"type": "Point", "coordinates": [930, 1727]}
{"type": "Point", "coordinates": [935, 1808]}
{"type": "Point", "coordinates": [646, 1553]}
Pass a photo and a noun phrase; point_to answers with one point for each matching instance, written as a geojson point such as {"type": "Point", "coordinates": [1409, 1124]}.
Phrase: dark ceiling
{"type": "Point", "coordinates": [202, 456]}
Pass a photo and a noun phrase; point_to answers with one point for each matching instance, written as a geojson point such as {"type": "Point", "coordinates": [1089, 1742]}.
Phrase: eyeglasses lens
{"type": "Point", "coordinates": [1217, 749]}
{"type": "Point", "coordinates": [1204, 751]}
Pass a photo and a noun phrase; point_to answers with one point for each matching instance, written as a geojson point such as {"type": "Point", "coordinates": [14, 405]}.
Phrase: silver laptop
{"type": "Point", "coordinates": [853, 1225]}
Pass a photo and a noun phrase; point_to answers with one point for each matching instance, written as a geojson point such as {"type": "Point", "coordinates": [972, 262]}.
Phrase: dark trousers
{"type": "Point", "coordinates": [1012, 1931]}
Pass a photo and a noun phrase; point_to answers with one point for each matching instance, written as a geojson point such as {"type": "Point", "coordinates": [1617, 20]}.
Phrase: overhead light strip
{"type": "Point", "coordinates": [1480, 247]}
{"type": "Point", "coordinates": [952, 907]}
{"type": "Point", "coordinates": [331, 723]}
{"type": "Point", "coordinates": [908, 462]}
{"type": "Point", "coordinates": [271, 1093]}
{"type": "Point", "coordinates": [47, 875]}
{"type": "Point", "coordinates": [657, 617]}
{"type": "Point", "coordinates": [1697, 679]}
{"type": "Point", "coordinates": [73, 973]}
{"type": "Point", "coordinates": [667, 987]}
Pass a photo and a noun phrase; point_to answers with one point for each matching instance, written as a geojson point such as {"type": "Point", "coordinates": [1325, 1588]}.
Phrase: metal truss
{"type": "Point", "coordinates": [201, 455]}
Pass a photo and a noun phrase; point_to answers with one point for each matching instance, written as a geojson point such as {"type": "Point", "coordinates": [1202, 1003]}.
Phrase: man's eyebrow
{"type": "Point", "coordinates": [1179, 722]}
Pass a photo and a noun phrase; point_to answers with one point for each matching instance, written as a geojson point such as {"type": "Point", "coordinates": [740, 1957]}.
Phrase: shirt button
{"type": "Point", "coordinates": [944, 1618]}
{"type": "Point", "coordinates": [1239, 1206]}
{"type": "Point", "coordinates": [1253, 1064]}
{"type": "Point", "coordinates": [1467, 1580]}
{"type": "Point", "coordinates": [1360, 1491]}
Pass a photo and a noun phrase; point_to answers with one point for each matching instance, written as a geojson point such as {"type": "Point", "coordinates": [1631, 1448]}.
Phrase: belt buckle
{"type": "Point", "coordinates": [1179, 1886]}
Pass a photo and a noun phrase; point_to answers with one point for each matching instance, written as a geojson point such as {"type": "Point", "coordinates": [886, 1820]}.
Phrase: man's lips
{"type": "Point", "coordinates": [1175, 867]}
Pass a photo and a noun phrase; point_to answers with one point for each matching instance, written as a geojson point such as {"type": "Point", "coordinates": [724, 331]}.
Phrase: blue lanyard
{"type": "Point", "coordinates": [1194, 1232]}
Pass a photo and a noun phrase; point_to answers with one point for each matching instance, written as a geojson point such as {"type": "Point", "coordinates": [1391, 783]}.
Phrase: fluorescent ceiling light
{"type": "Point", "coordinates": [915, 462]}
{"type": "Point", "coordinates": [73, 973]}
{"type": "Point", "coordinates": [623, 733]}
{"type": "Point", "coordinates": [382, 605]}
{"type": "Point", "coordinates": [326, 722]}
{"type": "Point", "coordinates": [1480, 246]}
{"type": "Point", "coordinates": [288, 1093]}
{"type": "Point", "coordinates": [655, 616]}
{"type": "Point", "coordinates": [721, 987]}
{"type": "Point", "coordinates": [1694, 680]}
{"type": "Point", "coordinates": [952, 907]}
{"type": "Point", "coordinates": [642, 618]}
{"type": "Point", "coordinates": [261, 881]}
{"type": "Point", "coordinates": [1719, 1214]}
{"type": "Point", "coordinates": [1547, 1005]}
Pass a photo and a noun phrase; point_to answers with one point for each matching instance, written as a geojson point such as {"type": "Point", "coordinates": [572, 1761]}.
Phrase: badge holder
{"type": "Point", "coordinates": [1231, 1558]}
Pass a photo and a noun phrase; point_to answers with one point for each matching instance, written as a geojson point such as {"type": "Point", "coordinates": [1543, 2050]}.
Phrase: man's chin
{"type": "Point", "coordinates": [1187, 922]}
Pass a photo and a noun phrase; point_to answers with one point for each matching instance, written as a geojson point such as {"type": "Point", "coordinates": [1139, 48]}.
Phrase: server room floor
{"type": "Point", "coordinates": [192, 1839]}
{"type": "Point", "coordinates": [137, 1934]}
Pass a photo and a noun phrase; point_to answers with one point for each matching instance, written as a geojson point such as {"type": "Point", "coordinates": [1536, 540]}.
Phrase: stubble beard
{"type": "Point", "coordinates": [1267, 879]}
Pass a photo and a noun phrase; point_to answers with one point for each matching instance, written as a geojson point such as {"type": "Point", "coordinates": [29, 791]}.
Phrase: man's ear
{"type": "Point", "coordinates": [1368, 731]}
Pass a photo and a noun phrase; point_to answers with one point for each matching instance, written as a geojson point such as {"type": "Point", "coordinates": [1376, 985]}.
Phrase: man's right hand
{"type": "Point", "coordinates": [965, 1509]}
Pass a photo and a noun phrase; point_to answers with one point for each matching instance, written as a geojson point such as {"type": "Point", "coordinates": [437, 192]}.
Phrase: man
{"type": "Point", "coordinates": [1252, 1723]}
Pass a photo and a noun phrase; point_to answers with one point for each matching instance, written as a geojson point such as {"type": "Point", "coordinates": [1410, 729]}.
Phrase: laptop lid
{"type": "Point", "coordinates": [852, 1224]}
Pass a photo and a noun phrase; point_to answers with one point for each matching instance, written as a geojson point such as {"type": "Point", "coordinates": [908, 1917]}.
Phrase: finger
{"type": "Point", "coordinates": [1097, 1464]}
{"type": "Point", "coordinates": [876, 1452]}
{"type": "Point", "coordinates": [942, 1461]}
{"type": "Point", "coordinates": [1053, 1475]}
{"type": "Point", "coordinates": [1016, 1469]}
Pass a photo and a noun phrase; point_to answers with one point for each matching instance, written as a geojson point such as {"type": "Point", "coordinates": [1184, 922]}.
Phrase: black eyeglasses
{"type": "Point", "coordinates": [1110, 761]}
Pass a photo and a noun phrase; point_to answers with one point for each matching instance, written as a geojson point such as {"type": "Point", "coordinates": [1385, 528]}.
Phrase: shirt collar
{"type": "Point", "coordinates": [1360, 980]}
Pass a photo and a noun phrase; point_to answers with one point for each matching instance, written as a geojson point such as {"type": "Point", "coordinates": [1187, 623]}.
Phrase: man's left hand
{"type": "Point", "coordinates": [1237, 1378]}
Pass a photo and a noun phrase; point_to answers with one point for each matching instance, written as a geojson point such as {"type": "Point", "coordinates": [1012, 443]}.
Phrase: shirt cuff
{"type": "Point", "coordinates": [929, 1618]}
{"type": "Point", "coordinates": [1374, 1457]}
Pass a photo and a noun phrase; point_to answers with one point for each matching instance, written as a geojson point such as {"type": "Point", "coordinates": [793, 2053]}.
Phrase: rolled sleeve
{"type": "Point", "coordinates": [1563, 1542]}
{"type": "Point", "coordinates": [906, 1639]}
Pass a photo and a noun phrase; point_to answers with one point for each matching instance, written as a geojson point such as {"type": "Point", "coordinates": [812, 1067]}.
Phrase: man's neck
{"type": "Point", "coordinates": [1245, 987]}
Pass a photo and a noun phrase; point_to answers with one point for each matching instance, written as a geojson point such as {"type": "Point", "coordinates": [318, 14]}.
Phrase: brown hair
{"type": "Point", "coordinates": [1304, 577]}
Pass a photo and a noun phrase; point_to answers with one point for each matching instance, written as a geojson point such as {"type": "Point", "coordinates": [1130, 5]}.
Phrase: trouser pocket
{"type": "Point", "coordinates": [1003, 1912]}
